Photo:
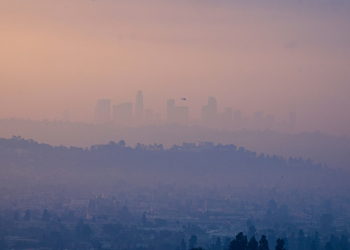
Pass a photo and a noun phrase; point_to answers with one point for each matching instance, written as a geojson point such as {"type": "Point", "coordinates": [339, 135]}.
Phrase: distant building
{"type": "Point", "coordinates": [205, 144]}
{"type": "Point", "coordinates": [258, 120]}
{"type": "Point", "coordinates": [226, 119]}
{"type": "Point", "coordinates": [239, 121]}
{"type": "Point", "coordinates": [66, 116]}
{"type": "Point", "coordinates": [188, 146]}
{"type": "Point", "coordinates": [149, 116]}
{"type": "Point", "coordinates": [157, 118]}
{"type": "Point", "coordinates": [139, 108]}
{"type": "Point", "coordinates": [103, 111]}
{"type": "Point", "coordinates": [177, 114]}
{"type": "Point", "coordinates": [122, 114]}
{"type": "Point", "coordinates": [209, 114]}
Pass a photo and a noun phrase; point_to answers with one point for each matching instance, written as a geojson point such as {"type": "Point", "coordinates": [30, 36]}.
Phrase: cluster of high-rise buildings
{"type": "Point", "coordinates": [129, 114]}
{"type": "Point", "coordinates": [124, 113]}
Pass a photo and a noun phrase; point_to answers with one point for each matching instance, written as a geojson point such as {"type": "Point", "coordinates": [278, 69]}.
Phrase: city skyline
{"type": "Point", "coordinates": [277, 57]}
{"type": "Point", "coordinates": [126, 115]}
{"type": "Point", "coordinates": [177, 125]}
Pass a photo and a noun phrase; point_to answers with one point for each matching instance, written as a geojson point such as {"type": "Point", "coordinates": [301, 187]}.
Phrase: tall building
{"type": "Point", "coordinates": [170, 110]}
{"type": "Point", "coordinates": [157, 118]}
{"type": "Point", "coordinates": [258, 120]}
{"type": "Point", "coordinates": [122, 114]}
{"type": "Point", "coordinates": [177, 114]}
{"type": "Point", "coordinates": [239, 121]}
{"type": "Point", "coordinates": [149, 116]}
{"type": "Point", "coordinates": [139, 108]}
{"type": "Point", "coordinates": [228, 118]}
{"type": "Point", "coordinates": [210, 113]}
{"type": "Point", "coordinates": [103, 111]}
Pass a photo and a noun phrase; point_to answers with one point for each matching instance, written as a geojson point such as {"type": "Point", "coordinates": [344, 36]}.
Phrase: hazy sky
{"type": "Point", "coordinates": [276, 56]}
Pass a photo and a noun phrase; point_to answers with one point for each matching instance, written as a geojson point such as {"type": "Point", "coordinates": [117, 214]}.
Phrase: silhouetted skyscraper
{"type": "Point", "coordinates": [103, 111]}
{"type": "Point", "coordinates": [210, 113]}
{"type": "Point", "coordinates": [292, 121]}
{"type": "Point", "coordinates": [177, 114]}
{"type": "Point", "coordinates": [66, 116]}
{"type": "Point", "coordinates": [258, 120]}
{"type": "Point", "coordinates": [139, 108]}
{"type": "Point", "coordinates": [122, 114]}
{"type": "Point", "coordinates": [239, 122]}
{"type": "Point", "coordinates": [170, 110]}
{"type": "Point", "coordinates": [228, 117]}
{"type": "Point", "coordinates": [149, 116]}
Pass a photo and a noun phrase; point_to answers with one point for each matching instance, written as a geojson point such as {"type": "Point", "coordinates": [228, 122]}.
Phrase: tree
{"type": "Point", "coordinates": [315, 243]}
{"type": "Point", "coordinates": [144, 219]}
{"type": "Point", "coordinates": [344, 243]}
{"type": "Point", "coordinates": [273, 205]}
{"type": "Point", "coordinates": [192, 243]}
{"type": "Point", "coordinates": [252, 244]}
{"type": "Point", "coordinates": [280, 244]}
{"type": "Point", "coordinates": [218, 244]}
{"type": "Point", "coordinates": [183, 244]}
{"type": "Point", "coordinates": [82, 230]}
{"type": "Point", "coordinates": [263, 243]}
{"type": "Point", "coordinates": [121, 143]}
{"type": "Point", "coordinates": [251, 231]}
{"type": "Point", "coordinates": [240, 243]}
{"type": "Point", "coordinates": [328, 246]}
{"type": "Point", "coordinates": [27, 215]}
{"type": "Point", "coordinates": [301, 240]}
{"type": "Point", "coordinates": [45, 216]}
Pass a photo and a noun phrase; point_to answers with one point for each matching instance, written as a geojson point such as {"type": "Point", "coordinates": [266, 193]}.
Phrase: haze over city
{"type": "Point", "coordinates": [274, 57]}
{"type": "Point", "coordinates": [175, 125]}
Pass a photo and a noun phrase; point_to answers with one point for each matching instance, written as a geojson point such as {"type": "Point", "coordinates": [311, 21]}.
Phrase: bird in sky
{"type": "Point", "coordinates": [183, 99]}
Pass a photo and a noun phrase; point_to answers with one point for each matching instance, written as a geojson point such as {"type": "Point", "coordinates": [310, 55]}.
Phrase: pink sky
{"type": "Point", "coordinates": [276, 57]}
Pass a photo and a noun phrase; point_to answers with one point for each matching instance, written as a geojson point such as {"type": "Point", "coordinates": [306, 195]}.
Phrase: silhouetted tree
{"type": "Point", "coordinates": [192, 243]}
{"type": "Point", "coordinates": [82, 230]}
{"type": "Point", "coordinates": [280, 244]}
{"type": "Point", "coordinates": [328, 246]}
{"type": "Point", "coordinates": [334, 240]}
{"type": "Point", "coordinates": [227, 242]}
{"type": "Point", "coordinates": [45, 216]}
{"type": "Point", "coordinates": [121, 143]}
{"type": "Point", "coordinates": [315, 244]}
{"type": "Point", "coordinates": [301, 240]}
{"type": "Point", "coordinates": [251, 231]}
{"type": "Point", "coordinates": [218, 244]}
{"type": "Point", "coordinates": [27, 215]}
{"type": "Point", "coordinates": [240, 243]}
{"type": "Point", "coordinates": [344, 243]}
{"type": "Point", "coordinates": [273, 205]}
{"type": "Point", "coordinates": [144, 219]}
{"type": "Point", "coordinates": [252, 244]}
{"type": "Point", "coordinates": [183, 244]}
{"type": "Point", "coordinates": [263, 243]}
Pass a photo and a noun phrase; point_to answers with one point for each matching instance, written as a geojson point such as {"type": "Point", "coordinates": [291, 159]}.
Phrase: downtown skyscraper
{"type": "Point", "coordinates": [139, 108]}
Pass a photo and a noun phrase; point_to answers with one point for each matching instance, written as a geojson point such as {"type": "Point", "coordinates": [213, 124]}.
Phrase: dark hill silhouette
{"type": "Point", "coordinates": [27, 160]}
{"type": "Point", "coordinates": [321, 148]}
